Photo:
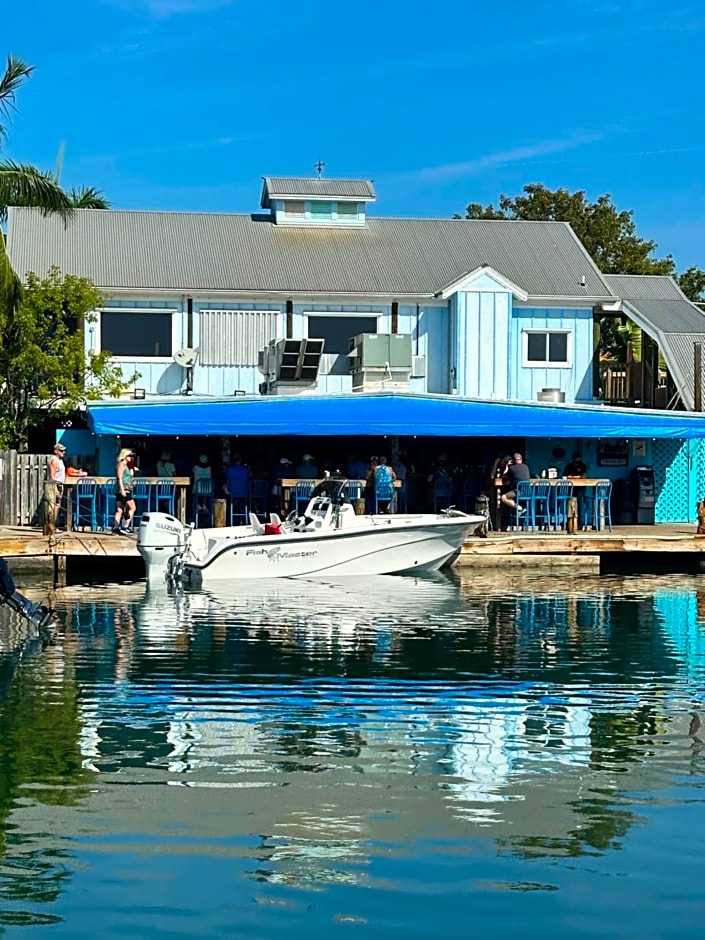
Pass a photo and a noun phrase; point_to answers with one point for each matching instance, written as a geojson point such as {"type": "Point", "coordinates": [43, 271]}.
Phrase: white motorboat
{"type": "Point", "coordinates": [328, 539]}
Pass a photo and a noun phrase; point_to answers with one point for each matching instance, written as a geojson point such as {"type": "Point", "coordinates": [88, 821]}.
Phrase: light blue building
{"type": "Point", "coordinates": [497, 311]}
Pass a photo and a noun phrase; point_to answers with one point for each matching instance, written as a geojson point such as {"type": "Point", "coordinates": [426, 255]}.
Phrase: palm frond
{"type": "Point", "coordinates": [24, 185]}
{"type": "Point", "coordinates": [87, 197]}
{"type": "Point", "coordinates": [15, 75]}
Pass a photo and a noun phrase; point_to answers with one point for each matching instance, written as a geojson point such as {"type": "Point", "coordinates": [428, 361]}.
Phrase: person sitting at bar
{"type": "Point", "coordinates": [307, 470]}
{"type": "Point", "coordinates": [515, 472]}
{"type": "Point", "coordinates": [165, 467]}
{"type": "Point", "coordinates": [237, 483]}
{"type": "Point", "coordinates": [576, 469]}
{"type": "Point", "coordinates": [384, 477]}
{"type": "Point", "coordinates": [202, 471]}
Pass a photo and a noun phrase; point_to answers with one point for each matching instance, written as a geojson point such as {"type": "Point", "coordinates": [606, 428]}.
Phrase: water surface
{"type": "Point", "coordinates": [478, 756]}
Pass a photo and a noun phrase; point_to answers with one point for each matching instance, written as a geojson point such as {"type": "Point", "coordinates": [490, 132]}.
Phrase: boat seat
{"type": "Point", "coordinates": [274, 518]}
{"type": "Point", "coordinates": [256, 524]}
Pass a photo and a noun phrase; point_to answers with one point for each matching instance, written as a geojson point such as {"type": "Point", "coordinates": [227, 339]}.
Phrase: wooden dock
{"type": "Point", "coordinates": [582, 552]}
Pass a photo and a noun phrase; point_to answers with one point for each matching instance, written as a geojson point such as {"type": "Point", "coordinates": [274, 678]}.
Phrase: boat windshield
{"type": "Point", "coordinates": [334, 489]}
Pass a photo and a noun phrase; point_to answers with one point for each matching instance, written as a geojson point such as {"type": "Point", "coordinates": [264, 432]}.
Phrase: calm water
{"type": "Point", "coordinates": [490, 757]}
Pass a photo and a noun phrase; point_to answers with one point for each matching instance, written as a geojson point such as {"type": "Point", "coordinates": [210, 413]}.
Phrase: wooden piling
{"type": "Point", "coordinates": [219, 513]}
{"type": "Point", "coordinates": [59, 571]}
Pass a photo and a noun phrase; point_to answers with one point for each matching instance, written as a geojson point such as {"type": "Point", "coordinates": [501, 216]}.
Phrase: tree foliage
{"type": "Point", "coordinates": [43, 363]}
{"type": "Point", "coordinates": [609, 234]}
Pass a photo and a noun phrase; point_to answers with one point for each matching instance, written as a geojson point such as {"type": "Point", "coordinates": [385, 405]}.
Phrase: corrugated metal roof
{"type": "Point", "coordinates": [658, 305]}
{"type": "Point", "coordinates": [198, 252]}
{"type": "Point", "coordinates": [679, 352]}
{"type": "Point", "coordinates": [644, 287]}
{"type": "Point", "coordinates": [279, 187]}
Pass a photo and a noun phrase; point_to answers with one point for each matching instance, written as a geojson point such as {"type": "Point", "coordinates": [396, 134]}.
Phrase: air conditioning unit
{"type": "Point", "coordinates": [554, 395]}
{"type": "Point", "coordinates": [290, 365]}
{"type": "Point", "coordinates": [380, 361]}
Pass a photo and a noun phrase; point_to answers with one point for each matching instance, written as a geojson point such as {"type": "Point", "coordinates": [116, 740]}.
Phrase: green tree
{"type": "Point", "coordinates": [692, 283]}
{"type": "Point", "coordinates": [610, 238]}
{"type": "Point", "coordinates": [43, 363]}
{"type": "Point", "coordinates": [608, 233]}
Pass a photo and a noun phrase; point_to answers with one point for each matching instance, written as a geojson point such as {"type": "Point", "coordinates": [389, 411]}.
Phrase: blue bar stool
{"type": "Point", "coordinates": [562, 492]}
{"type": "Point", "coordinates": [165, 496]}
{"type": "Point", "coordinates": [259, 496]}
{"type": "Point", "coordinates": [523, 511]}
{"type": "Point", "coordinates": [142, 495]}
{"type": "Point", "coordinates": [203, 494]}
{"type": "Point", "coordinates": [540, 504]}
{"type": "Point", "coordinates": [107, 504]}
{"type": "Point", "coordinates": [302, 495]}
{"type": "Point", "coordinates": [384, 497]}
{"type": "Point", "coordinates": [598, 509]}
{"type": "Point", "coordinates": [442, 493]}
{"type": "Point", "coordinates": [85, 499]}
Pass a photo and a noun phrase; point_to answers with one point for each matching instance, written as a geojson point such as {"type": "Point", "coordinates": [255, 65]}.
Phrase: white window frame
{"type": "Point", "coordinates": [341, 313]}
{"type": "Point", "coordinates": [546, 363]}
{"type": "Point", "coordinates": [96, 344]}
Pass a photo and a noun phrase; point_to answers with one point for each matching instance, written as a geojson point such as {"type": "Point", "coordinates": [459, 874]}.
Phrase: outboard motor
{"type": "Point", "coordinates": [160, 536]}
{"type": "Point", "coordinates": [37, 614]}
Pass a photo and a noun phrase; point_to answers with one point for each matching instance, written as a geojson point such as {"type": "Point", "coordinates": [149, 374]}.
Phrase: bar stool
{"type": "Point", "coordinates": [302, 495]}
{"type": "Point", "coordinates": [107, 504]}
{"type": "Point", "coordinates": [442, 493]}
{"type": "Point", "coordinates": [597, 509]}
{"type": "Point", "coordinates": [540, 504]}
{"type": "Point", "coordinates": [562, 492]}
{"type": "Point", "coordinates": [165, 496]}
{"type": "Point", "coordinates": [85, 499]}
{"type": "Point", "coordinates": [142, 496]}
{"type": "Point", "coordinates": [203, 494]}
{"type": "Point", "coordinates": [384, 497]}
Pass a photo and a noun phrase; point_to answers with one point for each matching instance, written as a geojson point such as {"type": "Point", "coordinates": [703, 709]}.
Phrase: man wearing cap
{"type": "Point", "coordinates": [307, 470]}
{"type": "Point", "coordinates": [56, 473]}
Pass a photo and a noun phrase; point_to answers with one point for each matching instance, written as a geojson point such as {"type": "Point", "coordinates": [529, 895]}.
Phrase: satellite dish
{"type": "Point", "coordinates": [186, 357]}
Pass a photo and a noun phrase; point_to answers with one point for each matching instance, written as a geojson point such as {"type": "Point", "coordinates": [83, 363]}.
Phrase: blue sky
{"type": "Point", "coordinates": [186, 104]}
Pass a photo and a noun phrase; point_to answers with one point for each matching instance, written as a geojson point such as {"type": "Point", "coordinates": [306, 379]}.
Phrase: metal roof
{"type": "Point", "coordinates": [298, 187]}
{"type": "Point", "coordinates": [199, 252]}
{"type": "Point", "coordinates": [658, 306]}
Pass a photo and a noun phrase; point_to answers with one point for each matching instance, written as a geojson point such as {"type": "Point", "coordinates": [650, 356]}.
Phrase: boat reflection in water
{"type": "Point", "coordinates": [381, 734]}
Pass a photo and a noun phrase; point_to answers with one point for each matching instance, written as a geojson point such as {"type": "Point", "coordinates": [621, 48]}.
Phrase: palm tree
{"type": "Point", "coordinates": [22, 184]}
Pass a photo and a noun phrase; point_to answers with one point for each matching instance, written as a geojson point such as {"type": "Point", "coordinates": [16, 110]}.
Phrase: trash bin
{"type": "Point", "coordinates": [644, 495]}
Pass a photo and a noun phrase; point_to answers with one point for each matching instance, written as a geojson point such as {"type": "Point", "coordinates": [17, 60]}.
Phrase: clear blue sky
{"type": "Point", "coordinates": [185, 104]}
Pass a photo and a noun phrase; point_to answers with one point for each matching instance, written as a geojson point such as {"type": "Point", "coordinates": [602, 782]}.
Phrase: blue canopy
{"type": "Point", "coordinates": [383, 413]}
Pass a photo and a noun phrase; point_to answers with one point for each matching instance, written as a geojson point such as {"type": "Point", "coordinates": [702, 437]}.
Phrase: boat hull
{"type": "Point", "coordinates": [386, 549]}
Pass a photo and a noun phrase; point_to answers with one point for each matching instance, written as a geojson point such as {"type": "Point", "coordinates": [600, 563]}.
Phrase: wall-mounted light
{"type": "Point", "coordinates": [139, 394]}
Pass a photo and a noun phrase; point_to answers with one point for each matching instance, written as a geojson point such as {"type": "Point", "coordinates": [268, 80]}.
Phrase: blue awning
{"type": "Point", "coordinates": [385, 413]}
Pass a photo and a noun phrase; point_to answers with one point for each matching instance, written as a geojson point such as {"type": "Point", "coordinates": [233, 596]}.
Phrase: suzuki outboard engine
{"type": "Point", "coordinates": [160, 536]}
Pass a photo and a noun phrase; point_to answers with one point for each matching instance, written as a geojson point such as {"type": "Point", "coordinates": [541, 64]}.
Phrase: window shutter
{"type": "Point", "coordinates": [235, 337]}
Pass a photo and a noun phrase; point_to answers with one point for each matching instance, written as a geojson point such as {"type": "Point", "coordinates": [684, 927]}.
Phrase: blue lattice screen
{"type": "Point", "coordinates": [672, 475]}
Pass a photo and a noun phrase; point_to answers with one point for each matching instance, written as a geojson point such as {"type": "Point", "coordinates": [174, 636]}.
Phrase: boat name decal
{"type": "Point", "coordinates": [276, 553]}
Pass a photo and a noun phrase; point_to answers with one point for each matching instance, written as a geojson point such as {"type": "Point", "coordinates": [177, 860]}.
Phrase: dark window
{"type": "Point", "coordinates": [124, 333]}
{"type": "Point", "coordinates": [337, 331]}
{"type": "Point", "coordinates": [536, 347]}
{"type": "Point", "coordinates": [547, 347]}
{"type": "Point", "coordinates": [557, 347]}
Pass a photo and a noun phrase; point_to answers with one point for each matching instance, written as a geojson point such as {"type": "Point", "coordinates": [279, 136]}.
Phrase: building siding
{"type": "Point", "coordinates": [576, 381]}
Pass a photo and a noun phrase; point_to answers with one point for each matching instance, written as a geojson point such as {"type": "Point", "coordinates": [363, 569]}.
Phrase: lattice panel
{"type": "Point", "coordinates": [698, 451]}
{"type": "Point", "coordinates": [672, 472]}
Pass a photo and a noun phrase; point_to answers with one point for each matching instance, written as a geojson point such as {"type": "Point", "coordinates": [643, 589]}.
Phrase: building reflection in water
{"type": "Point", "coordinates": [328, 720]}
